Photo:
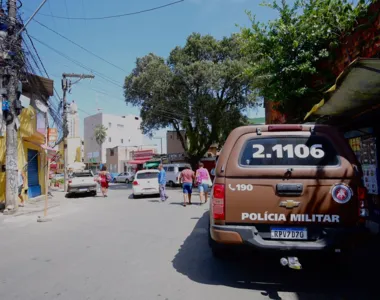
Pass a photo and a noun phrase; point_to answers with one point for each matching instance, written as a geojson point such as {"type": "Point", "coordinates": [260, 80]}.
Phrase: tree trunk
{"type": "Point", "coordinates": [194, 161]}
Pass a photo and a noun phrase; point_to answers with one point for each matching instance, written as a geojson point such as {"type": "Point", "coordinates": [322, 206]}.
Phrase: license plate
{"type": "Point", "coordinates": [289, 233]}
{"type": "Point", "coordinates": [83, 190]}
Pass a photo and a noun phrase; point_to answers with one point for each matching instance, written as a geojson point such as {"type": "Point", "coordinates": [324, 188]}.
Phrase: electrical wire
{"type": "Point", "coordinates": [56, 95]}
{"type": "Point", "coordinates": [83, 48]}
{"type": "Point", "coordinates": [101, 75]}
{"type": "Point", "coordinates": [116, 16]}
{"type": "Point", "coordinates": [54, 110]}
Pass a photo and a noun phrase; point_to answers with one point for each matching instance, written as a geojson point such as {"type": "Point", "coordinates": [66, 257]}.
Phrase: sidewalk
{"type": "Point", "coordinates": [37, 204]}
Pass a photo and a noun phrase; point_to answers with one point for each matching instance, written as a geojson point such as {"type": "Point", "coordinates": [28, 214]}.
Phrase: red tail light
{"type": "Point", "coordinates": [135, 183]}
{"type": "Point", "coordinates": [70, 181]}
{"type": "Point", "coordinates": [218, 202]}
{"type": "Point", "coordinates": [285, 128]}
{"type": "Point", "coordinates": [363, 204]}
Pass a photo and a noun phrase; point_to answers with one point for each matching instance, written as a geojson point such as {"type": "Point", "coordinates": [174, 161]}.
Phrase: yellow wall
{"type": "Point", "coordinates": [78, 156]}
{"type": "Point", "coordinates": [28, 131]}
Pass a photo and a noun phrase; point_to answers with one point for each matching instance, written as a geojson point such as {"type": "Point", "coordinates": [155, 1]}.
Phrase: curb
{"type": "Point", "coordinates": [33, 211]}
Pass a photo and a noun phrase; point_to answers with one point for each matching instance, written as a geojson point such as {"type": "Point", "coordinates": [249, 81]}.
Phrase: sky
{"type": "Point", "coordinates": [121, 40]}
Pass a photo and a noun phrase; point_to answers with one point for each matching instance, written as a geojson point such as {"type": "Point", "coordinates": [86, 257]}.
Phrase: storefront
{"type": "Point", "coordinates": [353, 105]}
{"type": "Point", "coordinates": [140, 157]}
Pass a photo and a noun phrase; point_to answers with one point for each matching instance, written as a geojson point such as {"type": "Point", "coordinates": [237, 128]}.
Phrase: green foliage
{"type": "Point", "coordinates": [201, 88]}
{"type": "Point", "coordinates": [100, 134]}
{"type": "Point", "coordinates": [286, 52]}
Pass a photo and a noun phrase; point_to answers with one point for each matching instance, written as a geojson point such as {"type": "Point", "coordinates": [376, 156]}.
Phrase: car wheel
{"type": "Point", "coordinates": [127, 181]}
{"type": "Point", "coordinates": [135, 196]}
{"type": "Point", "coordinates": [93, 193]}
{"type": "Point", "coordinates": [171, 184]}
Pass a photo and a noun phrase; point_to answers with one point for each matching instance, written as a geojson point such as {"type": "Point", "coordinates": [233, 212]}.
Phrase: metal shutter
{"type": "Point", "coordinates": [34, 188]}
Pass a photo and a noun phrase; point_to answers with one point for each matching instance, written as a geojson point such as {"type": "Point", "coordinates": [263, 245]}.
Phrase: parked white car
{"type": "Point", "coordinates": [126, 177]}
{"type": "Point", "coordinates": [173, 171]}
{"type": "Point", "coordinates": [82, 182]}
{"type": "Point", "coordinates": [146, 183]}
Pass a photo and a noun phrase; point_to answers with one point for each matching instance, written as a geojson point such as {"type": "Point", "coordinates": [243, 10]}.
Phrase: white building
{"type": "Point", "coordinates": [121, 131]}
{"type": "Point", "coordinates": [73, 120]}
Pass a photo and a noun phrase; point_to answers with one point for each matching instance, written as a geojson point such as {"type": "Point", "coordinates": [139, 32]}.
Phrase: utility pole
{"type": "Point", "coordinates": [11, 78]}
{"type": "Point", "coordinates": [66, 87]}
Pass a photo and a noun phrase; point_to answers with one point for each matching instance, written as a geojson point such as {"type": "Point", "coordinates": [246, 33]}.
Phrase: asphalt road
{"type": "Point", "coordinates": [122, 248]}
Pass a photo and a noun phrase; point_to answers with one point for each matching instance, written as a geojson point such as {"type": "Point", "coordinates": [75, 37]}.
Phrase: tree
{"type": "Point", "coordinates": [201, 88]}
{"type": "Point", "coordinates": [286, 53]}
{"type": "Point", "coordinates": [100, 134]}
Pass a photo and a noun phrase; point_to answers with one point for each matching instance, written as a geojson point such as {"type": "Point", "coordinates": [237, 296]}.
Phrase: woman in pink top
{"type": "Point", "coordinates": [203, 178]}
{"type": "Point", "coordinates": [187, 178]}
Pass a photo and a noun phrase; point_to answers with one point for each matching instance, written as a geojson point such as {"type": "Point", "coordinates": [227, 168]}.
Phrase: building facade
{"type": "Point", "coordinates": [73, 120]}
{"type": "Point", "coordinates": [32, 144]}
{"type": "Point", "coordinates": [173, 142]}
{"type": "Point", "coordinates": [175, 150]}
{"type": "Point", "coordinates": [121, 159]}
{"type": "Point", "coordinates": [122, 131]}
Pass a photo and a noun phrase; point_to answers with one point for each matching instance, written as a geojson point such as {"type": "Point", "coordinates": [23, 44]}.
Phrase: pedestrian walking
{"type": "Point", "coordinates": [162, 182]}
{"type": "Point", "coordinates": [187, 177]}
{"type": "Point", "coordinates": [104, 178]}
{"type": "Point", "coordinates": [203, 181]}
{"type": "Point", "coordinates": [21, 182]}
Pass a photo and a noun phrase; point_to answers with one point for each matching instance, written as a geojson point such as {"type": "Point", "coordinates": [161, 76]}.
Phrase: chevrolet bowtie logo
{"type": "Point", "coordinates": [289, 204]}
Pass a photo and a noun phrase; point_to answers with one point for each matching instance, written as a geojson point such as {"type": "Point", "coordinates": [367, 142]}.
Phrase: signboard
{"type": "Point", "coordinates": [176, 156]}
{"type": "Point", "coordinates": [142, 154]}
{"type": "Point", "coordinates": [53, 135]}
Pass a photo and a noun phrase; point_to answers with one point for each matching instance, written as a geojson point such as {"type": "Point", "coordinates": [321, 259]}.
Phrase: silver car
{"type": "Point", "coordinates": [126, 177]}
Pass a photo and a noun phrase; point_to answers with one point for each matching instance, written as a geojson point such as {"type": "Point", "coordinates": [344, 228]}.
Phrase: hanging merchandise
{"type": "Point", "coordinates": [5, 105]}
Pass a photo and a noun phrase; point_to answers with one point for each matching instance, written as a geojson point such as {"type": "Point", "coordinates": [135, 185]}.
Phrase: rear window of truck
{"type": "Point", "coordinates": [289, 151]}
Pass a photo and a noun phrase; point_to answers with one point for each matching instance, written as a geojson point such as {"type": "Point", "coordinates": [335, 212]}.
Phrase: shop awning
{"type": "Point", "coordinates": [152, 164]}
{"type": "Point", "coordinates": [138, 161]}
{"type": "Point", "coordinates": [356, 89]}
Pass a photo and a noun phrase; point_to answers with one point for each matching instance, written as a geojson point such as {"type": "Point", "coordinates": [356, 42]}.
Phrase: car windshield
{"type": "Point", "coordinates": [147, 175]}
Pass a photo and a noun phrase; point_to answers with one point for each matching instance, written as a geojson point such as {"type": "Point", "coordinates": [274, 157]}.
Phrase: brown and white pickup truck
{"type": "Point", "coordinates": [82, 182]}
{"type": "Point", "coordinates": [293, 188]}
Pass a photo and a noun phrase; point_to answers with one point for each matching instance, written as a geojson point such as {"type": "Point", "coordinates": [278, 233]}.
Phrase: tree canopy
{"type": "Point", "coordinates": [285, 53]}
{"type": "Point", "coordinates": [200, 88]}
{"type": "Point", "coordinates": [100, 134]}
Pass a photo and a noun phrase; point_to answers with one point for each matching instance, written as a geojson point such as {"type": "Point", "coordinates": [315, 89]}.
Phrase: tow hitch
{"type": "Point", "coordinates": [292, 262]}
